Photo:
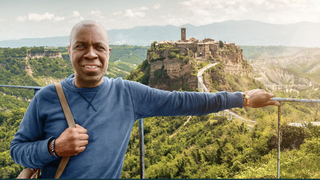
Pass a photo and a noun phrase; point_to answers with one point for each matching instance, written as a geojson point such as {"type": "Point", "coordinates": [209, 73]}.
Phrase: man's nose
{"type": "Point", "coordinates": [91, 53]}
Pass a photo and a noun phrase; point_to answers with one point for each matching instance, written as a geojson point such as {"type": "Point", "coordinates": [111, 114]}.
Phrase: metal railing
{"type": "Point", "coordinates": [223, 113]}
{"type": "Point", "coordinates": [279, 119]}
{"type": "Point", "coordinates": [35, 88]}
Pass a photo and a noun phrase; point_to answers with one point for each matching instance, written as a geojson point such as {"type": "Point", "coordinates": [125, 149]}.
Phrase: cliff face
{"type": "Point", "coordinates": [231, 56]}
{"type": "Point", "coordinates": [172, 74]}
{"type": "Point", "coordinates": [49, 54]}
{"type": "Point", "coordinates": [171, 70]}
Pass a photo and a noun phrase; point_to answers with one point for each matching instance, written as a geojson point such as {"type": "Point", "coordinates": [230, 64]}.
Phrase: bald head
{"type": "Point", "coordinates": [88, 24]}
{"type": "Point", "coordinates": [89, 53]}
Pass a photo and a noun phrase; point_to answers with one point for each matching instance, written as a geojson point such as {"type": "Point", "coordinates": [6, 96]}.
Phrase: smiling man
{"type": "Point", "coordinates": [89, 53]}
{"type": "Point", "coordinates": [104, 110]}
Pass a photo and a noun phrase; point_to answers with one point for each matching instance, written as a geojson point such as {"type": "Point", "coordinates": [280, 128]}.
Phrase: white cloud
{"type": "Point", "coordinates": [75, 14]}
{"type": "Point", "coordinates": [39, 17]}
{"type": "Point", "coordinates": [258, 2]}
{"type": "Point", "coordinates": [143, 8]}
{"type": "Point", "coordinates": [243, 9]}
{"type": "Point", "coordinates": [95, 13]}
{"type": "Point", "coordinates": [117, 13]}
{"type": "Point", "coordinates": [135, 13]}
{"type": "Point", "coordinates": [75, 17]}
{"type": "Point", "coordinates": [287, 11]}
{"type": "Point", "coordinates": [58, 18]}
{"type": "Point", "coordinates": [172, 19]}
{"type": "Point", "coordinates": [271, 11]}
{"type": "Point", "coordinates": [157, 6]}
{"type": "Point", "coordinates": [21, 18]}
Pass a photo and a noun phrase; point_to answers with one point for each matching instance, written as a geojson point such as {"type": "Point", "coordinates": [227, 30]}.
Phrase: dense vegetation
{"type": "Point", "coordinates": [212, 147]}
{"type": "Point", "coordinates": [141, 74]}
{"type": "Point", "coordinates": [12, 71]}
{"type": "Point", "coordinates": [129, 54]}
{"type": "Point", "coordinates": [205, 147]}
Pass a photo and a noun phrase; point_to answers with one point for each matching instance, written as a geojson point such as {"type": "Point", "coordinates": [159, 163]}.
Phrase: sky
{"type": "Point", "coordinates": [47, 18]}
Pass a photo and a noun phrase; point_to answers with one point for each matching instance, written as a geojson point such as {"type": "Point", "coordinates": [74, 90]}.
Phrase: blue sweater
{"type": "Point", "coordinates": [108, 112]}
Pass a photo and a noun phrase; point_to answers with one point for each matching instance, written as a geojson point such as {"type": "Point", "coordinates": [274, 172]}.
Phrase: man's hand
{"type": "Point", "coordinates": [260, 98]}
{"type": "Point", "coordinates": [71, 142]}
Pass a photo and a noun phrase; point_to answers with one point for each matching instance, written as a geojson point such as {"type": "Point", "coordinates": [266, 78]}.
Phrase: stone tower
{"type": "Point", "coordinates": [183, 34]}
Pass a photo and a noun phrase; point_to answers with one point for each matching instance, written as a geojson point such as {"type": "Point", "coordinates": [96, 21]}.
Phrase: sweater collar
{"type": "Point", "coordinates": [69, 84]}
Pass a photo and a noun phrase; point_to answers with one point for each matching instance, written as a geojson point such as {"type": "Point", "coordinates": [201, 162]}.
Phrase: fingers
{"type": "Point", "coordinates": [275, 103]}
{"type": "Point", "coordinates": [80, 129]}
{"type": "Point", "coordinates": [72, 141]}
{"type": "Point", "coordinates": [260, 98]}
{"type": "Point", "coordinates": [83, 136]}
{"type": "Point", "coordinates": [83, 143]}
{"type": "Point", "coordinates": [269, 103]}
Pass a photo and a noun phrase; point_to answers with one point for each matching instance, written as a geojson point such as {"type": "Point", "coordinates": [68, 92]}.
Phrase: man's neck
{"type": "Point", "coordinates": [85, 84]}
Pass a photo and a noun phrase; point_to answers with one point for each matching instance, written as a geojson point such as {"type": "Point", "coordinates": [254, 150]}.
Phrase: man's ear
{"type": "Point", "coordinates": [108, 58]}
{"type": "Point", "coordinates": [69, 51]}
{"type": "Point", "coordinates": [109, 53]}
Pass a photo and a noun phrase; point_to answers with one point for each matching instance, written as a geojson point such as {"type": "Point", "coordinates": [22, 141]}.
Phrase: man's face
{"type": "Point", "coordinates": [89, 54]}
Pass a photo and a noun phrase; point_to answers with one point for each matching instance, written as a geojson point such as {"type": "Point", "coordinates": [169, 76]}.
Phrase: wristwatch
{"type": "Point", "coordinates": [245, 100]}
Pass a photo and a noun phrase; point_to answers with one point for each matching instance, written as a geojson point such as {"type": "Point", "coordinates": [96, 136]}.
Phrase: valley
{"type": "Point", "coordinates": [296, 72]}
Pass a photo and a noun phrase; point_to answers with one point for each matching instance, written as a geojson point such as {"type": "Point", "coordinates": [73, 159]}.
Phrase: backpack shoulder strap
{"type": "Point", "coordinates": [64, 105]}
{"type": "Point", "coordinates": [70, 121]}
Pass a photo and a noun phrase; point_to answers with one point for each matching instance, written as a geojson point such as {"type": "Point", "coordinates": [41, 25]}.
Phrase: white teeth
{"type": "Point", "coordinates": [91, 67]}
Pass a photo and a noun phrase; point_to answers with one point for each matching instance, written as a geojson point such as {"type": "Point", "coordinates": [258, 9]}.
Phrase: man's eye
{"type": "Point", "coordinates": [79, 46]}
{"type": "Point", "coordinates": [100, 48]}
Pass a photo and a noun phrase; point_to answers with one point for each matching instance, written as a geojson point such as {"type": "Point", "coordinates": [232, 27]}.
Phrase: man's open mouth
{"type": "Point", "coordinates": [91, 67]}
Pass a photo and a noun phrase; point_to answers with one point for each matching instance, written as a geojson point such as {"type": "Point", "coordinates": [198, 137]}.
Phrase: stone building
{"type": "Point", "coordinates": [205, 49]}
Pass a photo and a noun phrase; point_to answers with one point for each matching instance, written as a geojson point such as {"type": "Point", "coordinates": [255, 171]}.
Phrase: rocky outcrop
{"type": "Point", "coordinates": [171, 68]}
{"type": "Point", "coordinates": [232, 57]}
{"type": "Point", "coordinates": [49, 54]}
{"type": "Point", "coordinates": [172, 74]}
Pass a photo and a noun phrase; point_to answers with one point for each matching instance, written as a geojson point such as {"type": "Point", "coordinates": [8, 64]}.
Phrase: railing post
{"type": "Point", "coordinates": [141, 140]}
{"type": "Point", "coordinates": [279, 138]}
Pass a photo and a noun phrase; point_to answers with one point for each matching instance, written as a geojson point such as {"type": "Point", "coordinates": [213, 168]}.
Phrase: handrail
{"type": "Point", "coordinates": [35, 88]}
{"type": "Point", "coordinates": [295, 100]}
{"type": "Point", "coordinates": [24, 87]}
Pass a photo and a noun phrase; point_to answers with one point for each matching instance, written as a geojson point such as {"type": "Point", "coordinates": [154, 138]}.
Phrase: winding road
{"type": "Point", "coordinates": [203, 88]}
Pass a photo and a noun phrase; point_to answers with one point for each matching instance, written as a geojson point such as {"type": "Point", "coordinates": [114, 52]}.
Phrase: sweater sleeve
{"type": "Point", "coordinates": [150, 102]}
{"type": "Point", "coordinates": [28, 147]}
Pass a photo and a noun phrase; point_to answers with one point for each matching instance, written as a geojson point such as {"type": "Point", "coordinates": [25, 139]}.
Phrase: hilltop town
{"type": "Point", "coordinates": [206, 49]}
{"type": "Point", "coordinates": [175, 63]}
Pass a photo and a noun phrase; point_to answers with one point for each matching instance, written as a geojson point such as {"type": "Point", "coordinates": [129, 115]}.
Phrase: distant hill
{"type": "Point", "coordinates": [245, 32]}
{"type": "Point", "coordinates": [296, 72]}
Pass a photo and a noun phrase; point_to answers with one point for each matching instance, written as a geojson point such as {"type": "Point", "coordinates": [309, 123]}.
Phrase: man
{"type": "Point", "coordinates": [104, 110]}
